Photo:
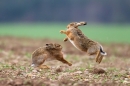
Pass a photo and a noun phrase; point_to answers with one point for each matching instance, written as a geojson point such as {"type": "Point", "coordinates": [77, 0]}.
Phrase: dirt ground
{"type": "Point", "coordinates": [15, 69]}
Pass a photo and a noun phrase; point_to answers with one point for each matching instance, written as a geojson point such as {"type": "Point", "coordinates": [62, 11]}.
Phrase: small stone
{"type": "Point", "coordinates": [18, 82]}
{"type": "Point", "coordinates": [123, 72]}
{"type": "Point", "coordinates": [59, 69]}
{"type": "Point", "coordinates": [86, 79]}
{"type": "Point", "coordinates": [78, 72]}
{"type": "Point", "coordinates": [34, 71]}
{"type": "Point", "coordinates": [125, 82]}
{"type": "Point", "coordinates": [30, 75]}
{"type": "Point", "coordinates": [10, 82]}
{"type": "Point", "coordinates": [126, 79]}
{"type": "Point", "coordinates": [86, 71]}
{"type": "Point", "coordinates": [19, 73]}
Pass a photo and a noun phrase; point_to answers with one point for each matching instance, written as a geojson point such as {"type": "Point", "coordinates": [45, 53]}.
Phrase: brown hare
{"type": "Point", "coordinates": [48, 52]}
{"type": "Point", "coordinates": [83, 43]}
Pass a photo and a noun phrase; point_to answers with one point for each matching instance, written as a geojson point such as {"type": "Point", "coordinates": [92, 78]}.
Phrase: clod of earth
{"type": "Point", "coordinates": [98, 71]}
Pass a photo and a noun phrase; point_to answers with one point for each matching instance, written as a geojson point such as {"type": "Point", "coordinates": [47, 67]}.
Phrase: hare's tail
{"type": "Point", "coordinates": [32, 65]}
{"type": "Point", "coordinates": [102, 52]}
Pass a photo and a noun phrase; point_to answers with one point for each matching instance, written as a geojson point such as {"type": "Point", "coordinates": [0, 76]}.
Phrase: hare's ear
{"type": "Point", "coordinates": [81, 23]}
{"type": "Point", "coordinates": [58, 46]}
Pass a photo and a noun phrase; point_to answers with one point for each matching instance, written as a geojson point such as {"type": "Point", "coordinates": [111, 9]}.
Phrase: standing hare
{"type": "Point", "coordinates": [83, 43]}
{"type": "Point", "coordinates": [48, 52]}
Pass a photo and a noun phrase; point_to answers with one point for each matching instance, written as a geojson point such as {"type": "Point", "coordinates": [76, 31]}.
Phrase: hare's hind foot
{"type": "Point", "coordinates": [97, 56]}
{"type": "Point", "coordinates": [44, 67]}
{"type": "Point", "coordinates": [100, 59]}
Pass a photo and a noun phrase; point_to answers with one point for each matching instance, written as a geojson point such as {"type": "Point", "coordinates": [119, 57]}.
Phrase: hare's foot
{"type": "Point", "coordinates": [100, 59]}
{"type": "Point", "coordinates": [64, 61]}
{"type": "Point", "coordinates": [44, 67]}
{"type": "Point", "coordinates": [63, 31]}
{"type": "Point", "coordinates": [65, 39]}
{"type": "Point", "coordinates": [69, 64]}
{"type": "Point", "coordinates": [97, 56]}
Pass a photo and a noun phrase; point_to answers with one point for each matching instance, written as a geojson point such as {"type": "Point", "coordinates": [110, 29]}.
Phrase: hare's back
{"type": "Point", "coordinates": [39, 51]}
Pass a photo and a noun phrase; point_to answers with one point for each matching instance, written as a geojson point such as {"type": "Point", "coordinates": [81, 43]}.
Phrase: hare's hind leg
{"type": "Point", "coordinates": [41, 66]}
{"type": "Point", "coordinates": [97, 56]}
{"type": "Point", "coordinates": [64, 61]}
{"type": "Point", "coordinates": [100, 59]}
{"type": "Point", "coordinates": [40, 60]}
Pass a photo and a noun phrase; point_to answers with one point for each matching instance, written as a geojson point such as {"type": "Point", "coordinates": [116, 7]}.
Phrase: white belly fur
{"type": "Point", "coordinates": [73, 43]}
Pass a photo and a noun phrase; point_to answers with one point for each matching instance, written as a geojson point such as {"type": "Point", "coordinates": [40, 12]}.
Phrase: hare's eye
{"type": "Point", "coordinates": [47, 44]}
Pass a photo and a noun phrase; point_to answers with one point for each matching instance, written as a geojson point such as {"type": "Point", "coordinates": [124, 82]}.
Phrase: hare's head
{"type": "Point", "coordinates": [55, 46]}
{"type": "Point", "coordinates": [49, 46]}
{"type": "Point", "coordinates": [75, 24]}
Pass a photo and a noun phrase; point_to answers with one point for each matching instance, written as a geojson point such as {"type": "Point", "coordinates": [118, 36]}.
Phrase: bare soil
{"type": "Point", "coordinates": [15, 69]}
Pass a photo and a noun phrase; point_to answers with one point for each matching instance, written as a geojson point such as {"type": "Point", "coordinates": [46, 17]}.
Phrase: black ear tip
{"type": "Point", "coordinates": [85, 23]}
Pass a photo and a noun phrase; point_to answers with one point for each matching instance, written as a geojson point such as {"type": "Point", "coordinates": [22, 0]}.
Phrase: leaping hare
{"type": "Point", "coordinates": [81, 42]}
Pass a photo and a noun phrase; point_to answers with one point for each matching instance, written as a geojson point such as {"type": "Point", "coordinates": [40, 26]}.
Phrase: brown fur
{"type": "Point", "coordinates": [48, 52]}
{"type": "Point", "coordinates": [81, 42]}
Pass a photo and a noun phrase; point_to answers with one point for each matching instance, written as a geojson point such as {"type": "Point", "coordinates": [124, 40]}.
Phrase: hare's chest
{"type": "Point", "coordinates": [50, 57]}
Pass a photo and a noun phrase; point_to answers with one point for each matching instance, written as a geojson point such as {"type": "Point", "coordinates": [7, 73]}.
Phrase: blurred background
{"type": "Point", "coordinates": [108, 20]}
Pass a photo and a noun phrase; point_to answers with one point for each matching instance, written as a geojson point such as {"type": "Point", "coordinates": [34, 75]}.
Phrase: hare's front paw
{"type": "Point", "coordinates": [65, 39]}
{"type": "Point", "coordinates": [62, 31]}
{"type": "Point", "coordinates": [44, 67]}
{"type": "Point", "coordinates": [69, 64]}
